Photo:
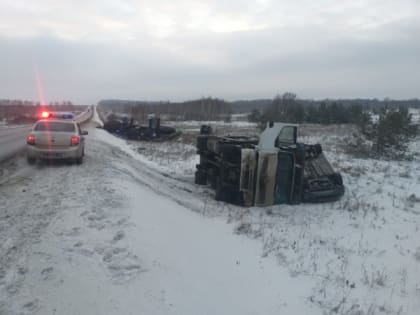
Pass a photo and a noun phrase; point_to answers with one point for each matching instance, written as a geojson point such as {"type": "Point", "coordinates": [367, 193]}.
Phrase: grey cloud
{"type": "Point", "coordinates": [313, 59]}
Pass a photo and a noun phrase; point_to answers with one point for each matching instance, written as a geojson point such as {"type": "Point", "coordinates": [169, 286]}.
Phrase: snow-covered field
{"type": "Point", "coordinates": [128, 232]}
{"type": "Point", "coordinates": [360, 255]}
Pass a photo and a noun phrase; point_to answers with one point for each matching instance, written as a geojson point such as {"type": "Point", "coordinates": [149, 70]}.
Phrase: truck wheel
{"type": "Point", "coordinates": [231, 152]}
{"type": "Point", "coordinates": [213, 181]}
{"type": "Point", "coordinates": [318, 149]}
{"type": "Point", "coordinates": [337, 179]}
{"type": "Point", "coordinates": [203, 159]}
{"type": "Point", "coordinates": [200, 178]}
{"type": "Point", "coordinates": [202, 143]}
{"type": "Point", "coordinates": [220, 194]}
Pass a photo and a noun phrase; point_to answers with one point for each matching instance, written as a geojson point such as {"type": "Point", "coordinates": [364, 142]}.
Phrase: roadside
{"type": "Point", "coordinates": [94, 240]}
{"type": "Point", "coordinates": [361, 252]}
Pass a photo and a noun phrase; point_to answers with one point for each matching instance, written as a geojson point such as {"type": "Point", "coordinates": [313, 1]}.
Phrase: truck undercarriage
{"type": "Point", "coordinates": [273, 169]}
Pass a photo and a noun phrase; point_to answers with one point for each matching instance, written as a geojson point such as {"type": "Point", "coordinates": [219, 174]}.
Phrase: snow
{"type": "Point", "coordinates": [359, 251]}
{"type": "Point", "coordinates": [127, 233]}
{"type": "Point", "coordinates": [96, 118]}
{"type": "Point", "coordinates": [108, 244]}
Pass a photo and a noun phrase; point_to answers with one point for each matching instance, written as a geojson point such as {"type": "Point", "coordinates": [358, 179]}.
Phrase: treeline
{"type": "Point", "coordinates": [201, 109]}
{"type": "Point", "coordinates": [374, 105]}
{"type": "Point", "coordinates": [30, 113]}
{"type": "Point", "coordinates": [387, 137]}
{"type": "Point", "coordinates": [390, 133]}
{"type": "Point", "coordinates": [393, 132]}
{"type": "Point", "coordinates": [18, 113]}
{"type": "Point", "coordinates": [15, 102]}
{"type": "Point", "coordinates": [288, 108]}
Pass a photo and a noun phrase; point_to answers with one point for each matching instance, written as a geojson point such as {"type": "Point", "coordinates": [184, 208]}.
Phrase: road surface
{"type": "Point", "coordinates": [12, 140]}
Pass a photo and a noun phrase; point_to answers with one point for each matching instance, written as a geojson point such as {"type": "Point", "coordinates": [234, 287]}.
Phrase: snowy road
{"type": "Point", "coordinates": [113, 237]}
{"type": "Point", "coordinates": [12, 140]}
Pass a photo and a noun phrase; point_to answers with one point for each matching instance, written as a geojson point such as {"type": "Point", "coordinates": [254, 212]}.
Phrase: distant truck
{"type": "Point", "coordinates": [154, 131]}
{"type": "Point", "coordinates": [274, 169]}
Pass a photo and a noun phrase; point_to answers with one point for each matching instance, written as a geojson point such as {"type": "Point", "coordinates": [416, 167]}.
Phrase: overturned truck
{"type": "Point", "coordinates": [273, 169]}
{"type": "Point", "coordinates": [154, 131]}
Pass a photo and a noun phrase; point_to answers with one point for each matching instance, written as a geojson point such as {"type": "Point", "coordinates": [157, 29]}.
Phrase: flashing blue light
{"type": "Point", "coordinates": [68, 116]}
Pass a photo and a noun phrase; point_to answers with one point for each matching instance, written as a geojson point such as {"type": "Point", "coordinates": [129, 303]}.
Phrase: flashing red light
{"type": "Point", "coordinates": [30, 139]}
{"type": "Point", "coordinates": [75, 140]}
{"type": "Point", "coordinates": [45, 114]}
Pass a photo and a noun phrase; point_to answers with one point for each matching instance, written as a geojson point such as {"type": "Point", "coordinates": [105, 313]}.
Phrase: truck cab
{"type": "Point", "coordinates": [272, 169]}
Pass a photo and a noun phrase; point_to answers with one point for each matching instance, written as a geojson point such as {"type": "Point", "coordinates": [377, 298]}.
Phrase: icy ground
{"type": "Point", "coordinates": [117, 236]}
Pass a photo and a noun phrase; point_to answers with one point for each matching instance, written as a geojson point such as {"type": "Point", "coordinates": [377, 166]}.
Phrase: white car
{"type": "Point", "coordinates": [57, 139]}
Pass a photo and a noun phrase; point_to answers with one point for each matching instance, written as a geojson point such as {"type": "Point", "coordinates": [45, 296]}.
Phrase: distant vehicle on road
{"type": "Point", "coordinates": [58, 137]}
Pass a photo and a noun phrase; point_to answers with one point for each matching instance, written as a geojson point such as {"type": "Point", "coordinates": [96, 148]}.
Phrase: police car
{"type": "Point", "coordinates": [57, 136]}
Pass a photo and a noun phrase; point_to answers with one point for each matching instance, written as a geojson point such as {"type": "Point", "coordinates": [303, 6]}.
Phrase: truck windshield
{"type": "Point", "coordinates": [287, 135]}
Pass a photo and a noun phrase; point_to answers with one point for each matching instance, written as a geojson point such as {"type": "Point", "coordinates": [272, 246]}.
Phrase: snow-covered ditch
{"type": "Point", "coordinates": [360, 255]}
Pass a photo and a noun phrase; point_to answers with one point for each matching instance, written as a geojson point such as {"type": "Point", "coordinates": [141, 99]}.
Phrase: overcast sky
{"type": "Point", "coordinates": [84, 50]}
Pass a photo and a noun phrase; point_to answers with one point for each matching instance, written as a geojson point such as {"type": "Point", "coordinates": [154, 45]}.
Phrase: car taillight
{"type": "Point", "coordinates": [30, 139]}
{"type": "Point", "coordinates": [74, 140]}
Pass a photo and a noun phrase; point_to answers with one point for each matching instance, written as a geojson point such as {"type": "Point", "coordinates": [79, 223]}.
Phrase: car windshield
{"type": "Point", "coordinates": [54, 126]}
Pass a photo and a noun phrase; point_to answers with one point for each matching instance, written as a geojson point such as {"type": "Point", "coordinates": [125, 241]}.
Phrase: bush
{"type": "Point", "coordinates": [393, 132]}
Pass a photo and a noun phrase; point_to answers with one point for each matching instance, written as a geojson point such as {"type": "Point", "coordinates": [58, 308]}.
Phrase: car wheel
{"type": "Point", "coordinates": [31, 160]}
{"type": "Point", "coordinates": [79, 160]}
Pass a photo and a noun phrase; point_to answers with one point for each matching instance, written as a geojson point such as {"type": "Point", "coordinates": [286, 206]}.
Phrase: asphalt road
{"type": "Point", "coordinates": [12, 140]}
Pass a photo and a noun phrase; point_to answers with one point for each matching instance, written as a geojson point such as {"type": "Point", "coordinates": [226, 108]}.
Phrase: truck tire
{"type": "Point", "coordinates": [231, 152]}
{"type": "Point", "coordinates": [212, 177]}
{"type": "Point", "coordinates": [337, 179]}
{"type": "Point", "coordinates": [203, 159]}
{"type": "Point", "coordinates": [318, 148]}
{"type": "Point", "coordinates": [202, 143]}
{"type": "Point", "coordinates": [201, 167]}
{"type": "Point", "coordinates": [220, 192]}
{"type": "Point", "coordinates": [165, 130]}
{"type": "Point", "coordinates": [133, 134]}
{"type": "Point", "coordinates": [205, 130]}
{"type": "Point", "coordinates": [200, 178]}
{"type": "Point", "coordinates": [229, 195]}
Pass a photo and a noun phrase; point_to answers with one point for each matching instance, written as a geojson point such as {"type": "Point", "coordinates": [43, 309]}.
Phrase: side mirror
{"type": "Point", "coordinates": [84, 133]}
